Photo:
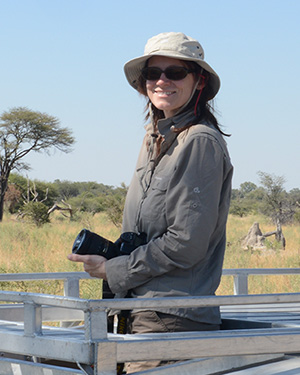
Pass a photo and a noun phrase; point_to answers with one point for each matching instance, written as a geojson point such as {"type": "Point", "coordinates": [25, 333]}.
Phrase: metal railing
{"type": "Point", "coordinates": [72, 279]}
{"type": "Point", "coordinates": [241, 276]}
{"type": "Point", "coordinates": [93, 345]}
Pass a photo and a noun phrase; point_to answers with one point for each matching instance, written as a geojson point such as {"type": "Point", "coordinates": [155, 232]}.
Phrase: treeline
{"type": "Point", "coordinates": [37, 199]}
{"type": "Point", "coordinates": [269, 199]}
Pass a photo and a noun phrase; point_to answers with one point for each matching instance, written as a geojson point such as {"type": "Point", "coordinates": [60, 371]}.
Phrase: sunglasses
{"type": "Point", "coordinates": [174, 73]}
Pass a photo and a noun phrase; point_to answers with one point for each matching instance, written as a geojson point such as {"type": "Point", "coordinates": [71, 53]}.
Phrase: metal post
{"type": "Point", "coordinates": [32, 319]}
{"type": "Point", "coordinates": [105, 358]}
{"type": "Point", "coordinates": [71, 287]}
{"type": "Point", "coordinates": [95, 323]}
{"type": "Point", "coordinates": [240, 284]}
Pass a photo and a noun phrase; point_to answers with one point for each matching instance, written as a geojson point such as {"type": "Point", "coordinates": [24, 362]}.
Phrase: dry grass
{"type": "Point", "coordinates": [273, 257]}
{"type": "Point", "coordinates": [25, 248]}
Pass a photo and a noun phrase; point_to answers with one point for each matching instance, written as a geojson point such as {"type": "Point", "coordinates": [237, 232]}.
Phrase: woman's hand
{"type": "Point", "coordinates": [94, 265]}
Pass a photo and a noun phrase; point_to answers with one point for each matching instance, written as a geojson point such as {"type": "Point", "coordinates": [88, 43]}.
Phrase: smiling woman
{"type": "Point", "coordinates": [179, 195]}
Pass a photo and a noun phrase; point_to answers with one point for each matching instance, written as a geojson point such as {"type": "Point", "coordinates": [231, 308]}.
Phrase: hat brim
{"type": "Point", "coordinates": [133, 69]}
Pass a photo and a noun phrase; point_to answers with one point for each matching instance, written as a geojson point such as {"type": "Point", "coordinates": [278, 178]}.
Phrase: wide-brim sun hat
{"type": "Point", "coordinates": [176, 46]}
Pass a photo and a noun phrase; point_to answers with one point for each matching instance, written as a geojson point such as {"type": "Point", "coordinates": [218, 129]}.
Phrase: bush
{"type": "Point", "coordinates": [87, 202]}
{"type": "Point", "coordinates": [239, 208]}
{"type": "Point", "coordinates": [115, 205]}
{"type": "Point", "coordinates": [297, 216]}
{"type": "Point", "coordinates": [36, 212]}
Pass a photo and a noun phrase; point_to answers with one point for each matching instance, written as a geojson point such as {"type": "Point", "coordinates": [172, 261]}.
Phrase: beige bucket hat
{"type": "Point", "coordinates": [177, 46]}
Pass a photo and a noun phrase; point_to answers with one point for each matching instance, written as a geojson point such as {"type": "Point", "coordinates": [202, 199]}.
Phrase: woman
{"type": "Point", "coordinates": [180, 192]}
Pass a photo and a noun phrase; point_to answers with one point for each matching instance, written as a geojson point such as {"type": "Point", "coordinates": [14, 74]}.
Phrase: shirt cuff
{"type": "Point", "coordinates": [116, 273]}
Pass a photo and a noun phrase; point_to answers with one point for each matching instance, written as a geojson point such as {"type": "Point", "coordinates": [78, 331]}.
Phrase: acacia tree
{"type": "Point", "coordinates": [275, 196]}
{"type": "Point", "coordinates": [23, 131]}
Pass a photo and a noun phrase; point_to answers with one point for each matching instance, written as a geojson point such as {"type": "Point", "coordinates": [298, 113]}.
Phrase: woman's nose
{"type": "Point", "coordinates": [163, 78]}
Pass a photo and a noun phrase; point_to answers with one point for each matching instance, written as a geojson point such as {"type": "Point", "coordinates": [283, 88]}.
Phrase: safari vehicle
{"type": "Point", "coordinates": [260, 334]}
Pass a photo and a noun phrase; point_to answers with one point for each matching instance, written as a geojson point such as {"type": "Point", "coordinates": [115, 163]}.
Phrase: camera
{"type": "Point", "coordinates": [91, 243]}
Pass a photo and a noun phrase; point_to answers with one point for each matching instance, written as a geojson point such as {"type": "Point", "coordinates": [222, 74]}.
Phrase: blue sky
{"type": "Point", "coordinates": [66, 57]}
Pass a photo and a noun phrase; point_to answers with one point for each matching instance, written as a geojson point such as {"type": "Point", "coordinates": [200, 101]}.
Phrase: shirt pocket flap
{"type": "Point", "coordinates": [160, 183]}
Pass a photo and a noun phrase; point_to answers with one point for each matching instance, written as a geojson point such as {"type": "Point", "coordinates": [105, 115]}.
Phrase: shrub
{"type": "Point", "coordinates": [36, 212]}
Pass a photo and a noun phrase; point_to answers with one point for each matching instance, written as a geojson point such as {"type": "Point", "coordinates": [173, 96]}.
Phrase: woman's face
{"type": "Point", "coordinates": [165, 94]}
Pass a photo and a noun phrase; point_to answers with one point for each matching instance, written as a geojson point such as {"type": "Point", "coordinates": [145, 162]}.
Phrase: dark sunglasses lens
{"type": "Point", "coordinates": [174, 73]}
{"type": "Point", "coordinates": [151, 74]}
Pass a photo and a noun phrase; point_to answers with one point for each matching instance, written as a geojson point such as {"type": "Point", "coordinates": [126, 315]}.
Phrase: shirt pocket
{"type": "Point", "coordinates": [155, 201]}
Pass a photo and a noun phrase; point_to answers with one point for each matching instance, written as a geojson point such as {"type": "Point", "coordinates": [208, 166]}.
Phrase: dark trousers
{"type": "Point", "coordinates": [156, 322]}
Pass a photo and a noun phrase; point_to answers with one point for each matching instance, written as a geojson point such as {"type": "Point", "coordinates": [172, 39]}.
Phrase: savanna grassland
{"type": "Point", "coordinates": [272, 257]}
{"type": "Point", "coordinates": [25, 248]}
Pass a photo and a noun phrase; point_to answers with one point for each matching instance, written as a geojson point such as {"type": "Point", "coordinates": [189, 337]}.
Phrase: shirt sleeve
{"type": "Point", "coordinates": [192, 209]}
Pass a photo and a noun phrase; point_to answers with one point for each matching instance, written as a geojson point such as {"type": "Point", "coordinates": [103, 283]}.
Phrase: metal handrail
{"type": "Point", "coordinates": [95, 311]}
{"type": "Point", "coordinates": [241, 275]}
{"type": "Point", "coordinates": [71, 279]}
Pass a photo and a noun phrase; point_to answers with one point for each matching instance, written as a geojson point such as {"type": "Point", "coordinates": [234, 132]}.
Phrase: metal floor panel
{"type": "Point", "coordinates": [10, 366]}
{"type": "Point", "coordinates": [48, 331]}
{"type": "Point", "coordinates": [263, 308]}
{"type": "Point", "coordinates": [285, 367]}
{"type": "Point", "coordinates": [210, 366]}
{"type": "Point", "coordinates": [65, 344]}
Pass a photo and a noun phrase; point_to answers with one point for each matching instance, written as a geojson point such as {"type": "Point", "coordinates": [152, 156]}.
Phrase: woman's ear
{"type": "Point", "coordinates": [201, 83]}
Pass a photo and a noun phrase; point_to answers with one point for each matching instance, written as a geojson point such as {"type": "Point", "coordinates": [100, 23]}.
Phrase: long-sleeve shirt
{"type": "Point", "coordinates": [181, 201]}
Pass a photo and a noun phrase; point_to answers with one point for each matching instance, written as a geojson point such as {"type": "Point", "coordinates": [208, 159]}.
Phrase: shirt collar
{"type": "Point", "coordinates": [166, 125]}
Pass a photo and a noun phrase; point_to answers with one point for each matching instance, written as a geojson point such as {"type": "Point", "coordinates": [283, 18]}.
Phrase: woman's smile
{"type": "Point", "coordinates": [163, 93]}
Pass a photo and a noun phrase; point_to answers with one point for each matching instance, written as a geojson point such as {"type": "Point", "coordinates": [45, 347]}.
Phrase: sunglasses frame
{"type": "Point", "coordinates": [169, 70]}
